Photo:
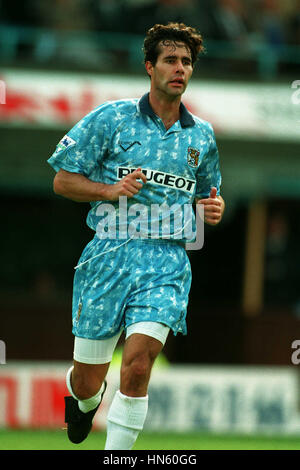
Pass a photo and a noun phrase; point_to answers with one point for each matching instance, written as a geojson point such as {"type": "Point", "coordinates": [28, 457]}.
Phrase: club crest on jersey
{"type": "Point", "coordinates": [193, 157]}
{"type": "Point", "coordinates": [65, 142]}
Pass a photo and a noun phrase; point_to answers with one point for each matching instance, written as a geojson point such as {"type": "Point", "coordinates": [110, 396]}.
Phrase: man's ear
{"type": "Point", "coordinates": [149, 67]}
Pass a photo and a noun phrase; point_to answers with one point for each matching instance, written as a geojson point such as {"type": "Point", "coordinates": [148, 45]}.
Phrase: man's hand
{"type": "Point", "coordinates": [127, 186]}
{"type": "Point", "coordinates": [77, 187]}
{"type": "Point", "coordinates": [213, 207]}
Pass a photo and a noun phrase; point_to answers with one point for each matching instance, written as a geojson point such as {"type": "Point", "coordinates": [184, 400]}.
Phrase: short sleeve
{"type": "Point", "coordinates": [208, 174]}
{"type": "Point", "coordinates": [84, 146]}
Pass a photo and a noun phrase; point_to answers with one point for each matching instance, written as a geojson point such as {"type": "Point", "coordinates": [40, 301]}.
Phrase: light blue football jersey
{"type": "Point", "coordinates": [180, 163]}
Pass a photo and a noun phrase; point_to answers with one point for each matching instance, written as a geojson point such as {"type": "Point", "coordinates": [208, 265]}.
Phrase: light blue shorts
{"type": "Point", "coordinates": [116, 286]}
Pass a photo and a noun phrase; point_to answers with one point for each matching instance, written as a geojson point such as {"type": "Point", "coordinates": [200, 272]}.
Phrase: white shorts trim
{"type": "Point", "coordinates": [100, 351]}
{"type": "Point", "coordinates": [95, 351]}
{"type": "Point", "coordinates": [149, 328]}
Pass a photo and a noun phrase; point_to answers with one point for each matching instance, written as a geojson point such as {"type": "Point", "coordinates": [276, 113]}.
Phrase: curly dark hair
{"type": "Point", "coordinates": [175, 32]}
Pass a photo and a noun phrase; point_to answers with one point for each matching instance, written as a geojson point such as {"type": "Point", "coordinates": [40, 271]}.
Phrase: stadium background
{"type": "Point", "coordinates": [58, 60]}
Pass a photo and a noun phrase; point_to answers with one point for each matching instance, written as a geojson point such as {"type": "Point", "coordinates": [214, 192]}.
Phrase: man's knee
{"type": "Point", "coordinates": [135, 375]}
{"type": "Point", "coordinates": [139, 355]}
{"type": "Point", "coordinates": [137, 367]}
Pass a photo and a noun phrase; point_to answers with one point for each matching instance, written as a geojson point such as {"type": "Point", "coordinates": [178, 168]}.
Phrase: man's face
{"type": "Point", "coordinates": [173, 69]}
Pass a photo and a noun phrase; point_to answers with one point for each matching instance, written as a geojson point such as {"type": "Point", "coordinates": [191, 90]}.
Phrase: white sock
{"type": "Point", "coordinates": [125, 420]}
{"type": "Point", "coordinates": [84, 405]}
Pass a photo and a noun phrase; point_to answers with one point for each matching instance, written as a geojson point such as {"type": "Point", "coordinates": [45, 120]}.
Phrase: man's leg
{"type": "Point", "coordinates": [129, 407]}
{"type": "Point", "coordinates": [86, 379]}
{"type": "Point", "coordinates": [86, 384]}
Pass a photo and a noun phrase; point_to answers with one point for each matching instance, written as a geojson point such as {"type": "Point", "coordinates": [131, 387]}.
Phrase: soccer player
{"type": "Point", "coordinates": [142, 152]}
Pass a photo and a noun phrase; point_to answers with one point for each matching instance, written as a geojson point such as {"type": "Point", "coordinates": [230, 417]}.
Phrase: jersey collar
{"type": "Point", "coordinates": [186, 119]}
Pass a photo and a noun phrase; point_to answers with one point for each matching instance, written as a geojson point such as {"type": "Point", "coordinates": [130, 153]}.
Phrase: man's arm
{"type": "Point", "coordinates": [78, 188]}
{"type": "Point", "coordinates": [214, 207]}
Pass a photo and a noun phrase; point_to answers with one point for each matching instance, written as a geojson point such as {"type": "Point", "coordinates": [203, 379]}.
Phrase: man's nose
{"type": "Point", "coordinates": [179, 67]}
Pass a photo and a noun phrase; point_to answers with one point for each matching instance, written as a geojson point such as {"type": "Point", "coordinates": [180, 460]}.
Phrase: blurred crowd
{"type": "Point", "coordinates": [276, 22]}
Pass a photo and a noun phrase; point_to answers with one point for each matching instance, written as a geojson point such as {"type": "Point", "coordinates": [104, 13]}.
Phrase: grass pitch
{"type": "Point", "coordinates": [57, 440]}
